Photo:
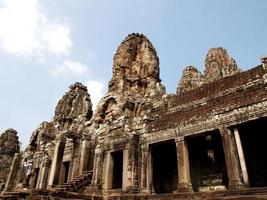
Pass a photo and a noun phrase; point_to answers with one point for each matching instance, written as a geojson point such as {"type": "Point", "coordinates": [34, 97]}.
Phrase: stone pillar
{"type": "Point", "coordinates": [74, 164]}
{"type": "Point", "coordinates": [108, 166]}
{"type": "Point", "coordinates": [231, 159]}
{"type": "Point", "coordinates": [41, 176]}
{"type": "Point", "coordinates": [184, 179]}
{"type": "Point", "coordinates": [241, 157]}
{"type": "Point", "coordinates": [150, 186]}
{"type": "Point", "coordinates": [264, 62]}
{"type": "Point", "coordinates": [44, 170]}
{"type": "Point", "coordinates": [33, 178]}
{"type": "Point", "coordinates": [85, 151]}
{"type": "Point", "coordinates": [144, 168]}
{"type": "Point", "coordinates": [21, 172]}
{"type": "Point", "coordinates": [125, 172]}
{"type": "Point", "coordinates": [95, 168]}
{"type": "Point", "coordinates": [133, 177]}
{"type": "Point", "coordinates": [12, 173]}
{"type": "Point", "coordinates": [97, 178]}
{"type": "Point", "coordinates": [57, 160]}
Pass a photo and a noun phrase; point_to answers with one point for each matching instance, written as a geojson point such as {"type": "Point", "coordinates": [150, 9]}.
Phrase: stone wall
{"type": "Point", "coordinates": [211, 98]}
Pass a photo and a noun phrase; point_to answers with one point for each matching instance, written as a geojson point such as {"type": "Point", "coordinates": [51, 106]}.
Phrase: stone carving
{"type": "Point", "coordinates": [219, 65]}
{"type": "Point", "coordinates": [191, 79]}
{"type": "Point", "coordinates": [135, 78]}
{"type": "Point", "coordinates": [9, 145]}
{"type": "Point", "coordinates": [135, 66]}
{"type": "Point", "coordinates": [74, 103]}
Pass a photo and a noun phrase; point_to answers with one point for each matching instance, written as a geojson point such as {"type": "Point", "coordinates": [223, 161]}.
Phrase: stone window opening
{"type": "Point", "coordinates": [207, 162]}
{"type": "Point", "coordinates": [253, 137]}
{"type": "Point", "coordinates": [164, 167]}
{"type": "Point", "coordinates": [65, 171]}
{"type": "Point", "coordinates": [117, 169]}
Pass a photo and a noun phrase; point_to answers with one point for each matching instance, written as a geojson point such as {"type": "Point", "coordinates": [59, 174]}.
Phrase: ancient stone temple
{"type": "Point", "coordinates": [205, 142]}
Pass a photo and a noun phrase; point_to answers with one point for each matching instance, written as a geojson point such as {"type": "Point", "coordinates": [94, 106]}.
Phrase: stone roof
{"type": "Point", "coordinates": [211, 99]}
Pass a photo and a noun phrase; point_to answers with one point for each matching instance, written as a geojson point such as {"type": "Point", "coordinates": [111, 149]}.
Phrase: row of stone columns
{"type": "Point", "coordinates": [57, 160]}
{"type": "Point", "coordinates": [78, 164]}
{"type": "Point", "coordinates": [231, 159]}
{"type": "Point", "coordinates": [234, 157]}
{"type": "Point", "coordinates": [184, 180]}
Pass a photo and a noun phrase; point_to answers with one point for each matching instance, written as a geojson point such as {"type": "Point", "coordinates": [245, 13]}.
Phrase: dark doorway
{"type": "Point", "coordinates": [207, 162]}
{"type": "Point", "coordinates": [164, 167]}
{"type": "Point", "coordinates": [253, 137]}
{"type": "Point", "coordinates": [117, 158]}
{"type": "Point", "coordinates": [66, 167]}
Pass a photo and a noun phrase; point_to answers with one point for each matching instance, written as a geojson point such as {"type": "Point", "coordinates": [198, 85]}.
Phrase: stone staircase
{"type": "Point", "coordinates": [70, 189]}
{"type": "Point", "coordinates": [77, 184]}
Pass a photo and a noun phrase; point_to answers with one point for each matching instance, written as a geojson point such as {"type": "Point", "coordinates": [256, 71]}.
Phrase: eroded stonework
{"type": "Point", "coordinates": [205, 142]}
{"type": "Point", "coordinates": [135, 67]}
{"type": "Point", "coordinates": [9, 146]}
{"type": "Point", "coordinates": [191, 79]}
{"type": "Point", "coordinates": [219, 65]}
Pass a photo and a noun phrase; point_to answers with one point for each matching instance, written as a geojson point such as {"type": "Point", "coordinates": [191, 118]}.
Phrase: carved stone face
{"type": "Point", "coordinates": [190, 79]}
{"type": "Point", "coordinates": [135, 61]}
{"type": "Point", "coordinates": [74, 103]}
{"type": "Point", "coordinates": [219, 64]}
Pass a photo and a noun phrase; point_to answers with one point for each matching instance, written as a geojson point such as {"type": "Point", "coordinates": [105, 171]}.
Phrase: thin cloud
{"type": "Point", "coordinates": [69, 67]}
{"type": "Point", "coordinates": [96, 91]}
{"type": "Point", "coordinates": [26, 31]}
{"type": "Point", "coordinates": [57, 38]}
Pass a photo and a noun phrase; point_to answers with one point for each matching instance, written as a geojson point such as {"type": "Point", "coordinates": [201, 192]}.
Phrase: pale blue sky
{"type": "Point", "coordinates": [46, 45]}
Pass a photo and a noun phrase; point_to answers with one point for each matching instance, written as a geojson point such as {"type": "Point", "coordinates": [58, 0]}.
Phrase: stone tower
{"type": "Point", "coordinates": [135, 66]}
{"type": "Point", "coordinates": [135, 79]}
{"type": "Point", "coordinates": [191, 79]}
{"type": "Point", "coordinates": [218, 65]}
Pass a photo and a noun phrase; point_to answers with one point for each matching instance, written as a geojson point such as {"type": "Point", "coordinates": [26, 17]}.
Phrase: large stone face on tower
{"type": "Point", "coordinates": [135, 66]}
{"type": "Point", "coordinates": [191, 79]}
{"type": "Point", "coordinates": [135, 80]}
{"type": "Point", "coordinates": [218, 65]}
{"type": "Point", "coordinates": [75, 105]}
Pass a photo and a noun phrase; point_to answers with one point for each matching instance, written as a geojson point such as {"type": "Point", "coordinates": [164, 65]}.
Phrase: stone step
{"type": "Point", "coordinates": [13, 195]}
{"type": "Point", "coordinates": [76, 183]}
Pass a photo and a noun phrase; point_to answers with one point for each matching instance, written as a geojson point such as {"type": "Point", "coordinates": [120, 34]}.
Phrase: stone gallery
{"type": "Point", "coordinates": [208, 141]}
